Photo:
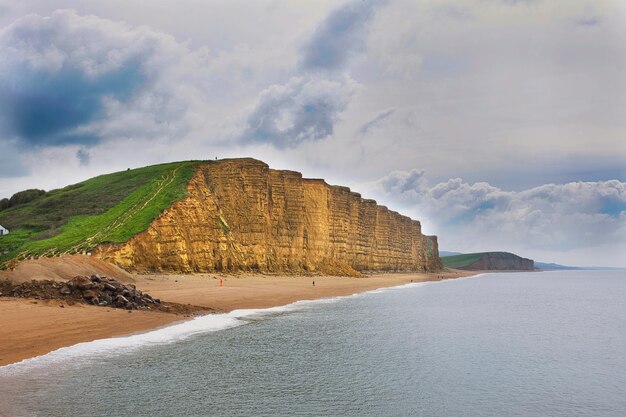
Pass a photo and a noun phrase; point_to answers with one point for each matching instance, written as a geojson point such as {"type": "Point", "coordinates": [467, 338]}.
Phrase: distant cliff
{"type": "Point", "coordinates": [486, 261]}
{"type": "Point", "coordinates": [240, 215]}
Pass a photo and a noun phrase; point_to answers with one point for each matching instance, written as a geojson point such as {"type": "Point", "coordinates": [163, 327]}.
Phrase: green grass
{"type": "Point", "coordinates": [460, 261]}
{"type": "Point", "coordinates": [108, 208]}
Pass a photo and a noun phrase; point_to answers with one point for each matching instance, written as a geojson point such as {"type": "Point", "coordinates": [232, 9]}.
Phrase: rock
{"type": "Point", "coordinates": [96, 278]}
{"type": "Point", "coordinates": [106, 298]}
{"type": "Point", "coordinates": [121, 301]}
{"type": "Point", "coordinates": [95, 301]}
{"type": "Point", "coordinates": [65, 290]}
{"type": "Point", "coordinates": [108, 287]}
{"type": "Point", "coordinates": [89, 294]}
{"type": "Point", "coordinates": [82, 282]}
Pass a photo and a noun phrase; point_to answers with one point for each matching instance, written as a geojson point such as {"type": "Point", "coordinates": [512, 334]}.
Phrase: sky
{"type": "Point", "coordinates": [499, 124]}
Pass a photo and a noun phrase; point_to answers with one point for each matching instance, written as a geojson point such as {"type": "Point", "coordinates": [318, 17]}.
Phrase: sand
{"type": "Point", "coordinates": [63, 268]}
{"type": "Point", "coordinates": [30, 328]}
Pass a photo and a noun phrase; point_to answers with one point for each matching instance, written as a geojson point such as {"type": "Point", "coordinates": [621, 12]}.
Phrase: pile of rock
{"type": "Point", "coordinates": [96, 290]}
{"type": "Point", "coordinates": [105, 291]}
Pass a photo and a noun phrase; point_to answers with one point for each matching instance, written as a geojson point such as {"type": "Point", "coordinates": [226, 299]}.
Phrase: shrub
{"type": "Point", "coordinates": [25, 196]}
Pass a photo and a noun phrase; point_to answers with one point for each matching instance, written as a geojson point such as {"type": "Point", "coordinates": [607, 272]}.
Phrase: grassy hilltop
{"type": "Point", "coordinates": [462, 260]}
{"type": "Point", "coordinates": [108, 208]}
{"type": "Point", "coordinates": [503, 261]}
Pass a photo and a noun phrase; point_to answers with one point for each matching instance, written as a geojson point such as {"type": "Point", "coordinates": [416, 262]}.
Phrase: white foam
{"type": "Point", "coordinates": [88, 351]}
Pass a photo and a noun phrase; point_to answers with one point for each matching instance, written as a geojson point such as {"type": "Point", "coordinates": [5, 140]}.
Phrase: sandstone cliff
{"type": "Point", "coordinates": [240, 215]}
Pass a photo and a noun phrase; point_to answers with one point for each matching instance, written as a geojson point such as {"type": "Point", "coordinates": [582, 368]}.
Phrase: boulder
{"type": "Point", "coordinates": [96, 278]}
{"type": "Point", "coordinates": [82, 282]}
{"type": "Point", "coordinates": [65, 290]}
{"type": "Point", "coordinates": [89, 294]}
{"type": "Point", "coordinates": [121, 301]}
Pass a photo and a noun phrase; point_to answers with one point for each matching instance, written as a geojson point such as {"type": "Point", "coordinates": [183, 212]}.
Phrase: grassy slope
{"type": "Point", "coordinates": [108, 208]}
{"type": "Point", "coordinates": [460, 261]}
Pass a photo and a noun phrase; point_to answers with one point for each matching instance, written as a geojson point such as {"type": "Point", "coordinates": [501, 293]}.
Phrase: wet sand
{"type": "Point", "coordinates": [31, 328]}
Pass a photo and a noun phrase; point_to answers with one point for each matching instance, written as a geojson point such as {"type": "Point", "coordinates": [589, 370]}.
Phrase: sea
{"type": "Point", "coordinates": [500, 344]}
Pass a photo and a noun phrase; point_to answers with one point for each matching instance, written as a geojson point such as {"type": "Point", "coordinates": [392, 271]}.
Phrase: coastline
{"type": "Point", "coordinates": [35, 327]}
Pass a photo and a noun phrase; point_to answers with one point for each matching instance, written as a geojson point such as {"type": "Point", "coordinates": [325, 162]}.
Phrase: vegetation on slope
{"type": "Point", "coordinates": [108, 208]}
{"type": "Point", "coordinates": [460, 261]}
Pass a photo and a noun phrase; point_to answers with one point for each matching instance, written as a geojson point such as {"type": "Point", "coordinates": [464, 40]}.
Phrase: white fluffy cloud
{"type": "Point", "coordinates": [576, 216]}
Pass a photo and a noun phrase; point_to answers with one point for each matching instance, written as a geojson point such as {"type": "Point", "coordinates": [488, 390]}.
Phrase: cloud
{"type": "Point", "coordinates": [341, 35]}
{"type": "Point", "coordinates": [11, 164]}
{"type": "Point", "coordinates": [589, 21]}
{"type": "Point", "coordinates": [377, 120]}
{"type": "Point", "coordinates": [84, 157]}
{"type": "Point", "coordinates": [63, 78]}
{"type": "Point", "coordinates": [551, 217]}
{"type": "Point", "coordinates": [304, 109]}
{"type": "Point", "coordinates": [307, 106]}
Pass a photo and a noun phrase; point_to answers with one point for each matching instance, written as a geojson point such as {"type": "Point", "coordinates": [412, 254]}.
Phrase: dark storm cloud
{"type": "Point", "coordinates": [43, 108]}
{"type": "Point", "coordinates": [62, 77]}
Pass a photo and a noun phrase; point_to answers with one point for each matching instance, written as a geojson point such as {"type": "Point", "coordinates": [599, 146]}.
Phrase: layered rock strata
{"type": "Point", "coordinates": [240, 215]}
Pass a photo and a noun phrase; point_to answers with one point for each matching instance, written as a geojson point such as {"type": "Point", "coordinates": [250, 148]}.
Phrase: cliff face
{"type": "Point", "coordinates": [240, 215]}
{"type": "Point", "coordinates": [502, 261]}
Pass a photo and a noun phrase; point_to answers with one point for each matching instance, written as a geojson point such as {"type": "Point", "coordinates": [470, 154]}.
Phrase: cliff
{"type": "Point", "coordinates": [487, 261]}
{"type": "Point", "coordinates": [240, 215]}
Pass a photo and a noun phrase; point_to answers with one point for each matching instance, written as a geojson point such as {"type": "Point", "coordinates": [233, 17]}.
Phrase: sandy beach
{"type": "Point", "coordinates": [35, 327]}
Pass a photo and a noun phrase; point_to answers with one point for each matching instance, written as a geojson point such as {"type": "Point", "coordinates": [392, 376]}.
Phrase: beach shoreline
{"type": "Point", "coordinates": [35, 327]}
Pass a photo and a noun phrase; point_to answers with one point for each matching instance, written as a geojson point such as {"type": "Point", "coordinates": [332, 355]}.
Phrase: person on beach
{"type": "Point", "coordinates": [314, 283]}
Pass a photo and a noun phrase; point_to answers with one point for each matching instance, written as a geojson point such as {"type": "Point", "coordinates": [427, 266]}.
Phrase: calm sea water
{"type": "Point", "coordinates": [523, 344]}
